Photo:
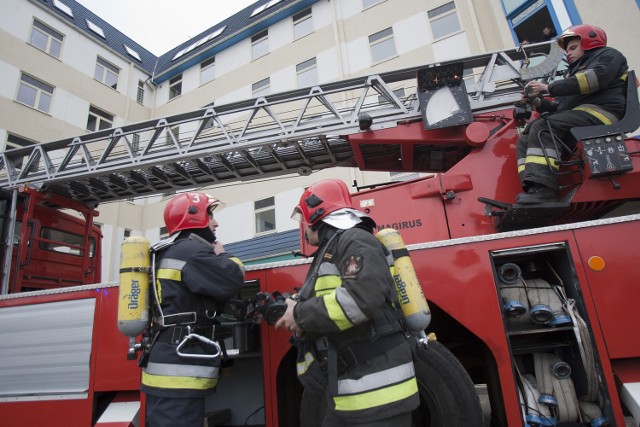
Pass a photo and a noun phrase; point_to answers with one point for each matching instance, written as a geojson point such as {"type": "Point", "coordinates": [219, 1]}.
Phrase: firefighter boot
{"type": "Point", "coordinates": [537, 194]}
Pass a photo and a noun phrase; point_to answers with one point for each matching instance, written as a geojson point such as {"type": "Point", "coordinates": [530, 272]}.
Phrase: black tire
{"type": "Point", "coordinates": [448, 397]}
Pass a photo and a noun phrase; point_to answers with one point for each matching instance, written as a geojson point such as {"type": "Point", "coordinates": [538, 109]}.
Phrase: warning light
{"type": "Point", "coordinates": [596, 263]}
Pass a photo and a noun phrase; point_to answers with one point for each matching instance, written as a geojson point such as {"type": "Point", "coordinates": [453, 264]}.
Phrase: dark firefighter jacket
{"type": "Point", "coordinates": [350, 289]}
{"type": "Point", "coordinates": [189, 278]}
{"type": "Point", "coordinates": [596, 79]}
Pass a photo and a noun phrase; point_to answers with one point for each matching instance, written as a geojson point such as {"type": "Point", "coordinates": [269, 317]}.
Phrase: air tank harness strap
{"type": "Point", "coordinates": [185, 318]}
{"type": "Point", "coordinates": [176, 333]}
{"type": "Point", "coordinates": [341, 358]}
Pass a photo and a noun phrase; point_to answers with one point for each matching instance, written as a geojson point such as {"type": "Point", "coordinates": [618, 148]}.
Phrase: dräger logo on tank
{"type": "Point", "coordinates": [135, 292]}
{"type": "Point", "coordinates": [402, 225]}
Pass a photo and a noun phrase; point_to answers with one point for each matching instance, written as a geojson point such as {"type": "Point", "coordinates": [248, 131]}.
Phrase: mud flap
{"type": "Point", "coordinates": [510, 217]}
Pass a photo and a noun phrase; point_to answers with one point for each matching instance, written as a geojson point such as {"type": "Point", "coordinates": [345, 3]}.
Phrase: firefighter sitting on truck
{"type": "Point", "coordinates": [193, 277]}
{"type": "Point", "coordinates": [354, 360]}
{"type": "Point", "coordinates": [592, 93]}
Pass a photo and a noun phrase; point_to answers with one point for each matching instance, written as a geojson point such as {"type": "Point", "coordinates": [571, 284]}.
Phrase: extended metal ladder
{"type": "Point", "coordinates": [292, 132]}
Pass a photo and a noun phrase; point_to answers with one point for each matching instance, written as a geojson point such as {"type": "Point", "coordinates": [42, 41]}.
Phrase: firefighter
{"type": "Point", "coordinates": [592, 93]}
{"type": "Point", "coordinates": [194, 276]}
{"type": "Point", "coordinates": [354, 360]}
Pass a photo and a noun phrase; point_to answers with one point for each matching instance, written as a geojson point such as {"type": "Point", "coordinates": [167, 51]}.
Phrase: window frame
{"type": "Point", "coordinates": [17, 141]}
{"type": "Point", "coordinates": [207, 68]}
{"type": "Point", "coordinates": [259, 42]}
{"type": "Point", "coordinates": [303, 69]}
{"type": "Point", "coordinates": [370, 3]}
{"type": "Point", "coordinates": [106, 69]}
{"type": "Point", "coordinates": [380, 39]}
{"type": "Point", "coordinates": [175, 86]}
{"type": "Point", "coordinates": [261, 88]}
{"type": "Point", "coordinates": [48, 32]}
{"type": "Point", "coordinates": [441, 12]}
{"type": "Point", "coordinates": [300, 21]}
{"type": "Point", "coordinates": [258, 210]}
{"type": "Point", "coordinates": [140, 93]}
{"type": "Point", "coordinates": [39, 91]}
{"type": "Point", "coordinates": [101, 117]}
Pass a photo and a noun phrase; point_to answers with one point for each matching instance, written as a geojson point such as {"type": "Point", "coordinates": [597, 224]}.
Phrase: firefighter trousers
{"type": "Point", "coordinates": [174, 412]}
{"type": "Point", "coordinates": [533, 167]}
{"type": "Point", "coordinates": [313, 413]}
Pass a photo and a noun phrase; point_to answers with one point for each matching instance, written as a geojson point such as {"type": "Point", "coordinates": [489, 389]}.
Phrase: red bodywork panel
{"type": "Point", "coordinates": [109, 371]}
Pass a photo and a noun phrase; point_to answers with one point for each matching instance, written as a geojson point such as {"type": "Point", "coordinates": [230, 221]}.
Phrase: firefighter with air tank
{"type": "Point", "coordinates": [354, 359]}
{"type": "Point", "coordinates": [193, 277]}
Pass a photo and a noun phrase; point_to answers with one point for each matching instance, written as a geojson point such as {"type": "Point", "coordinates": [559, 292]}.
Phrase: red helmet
{"type": "Point", "coordinates": [320, 199]}
{"type": "Point", "coordinates": [189, 210]}
{"type": "Point", "coordinates": [590, 36]}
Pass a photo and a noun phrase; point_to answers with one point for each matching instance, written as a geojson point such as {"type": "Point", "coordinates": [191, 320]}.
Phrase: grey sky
{"type": "Point", "coordinates": [159, 25]}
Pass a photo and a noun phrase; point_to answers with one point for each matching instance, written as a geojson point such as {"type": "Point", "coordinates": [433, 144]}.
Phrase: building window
{"type": "Point", "coordinates": [444, 20]}
{"type": "Point", "coordinates": [264, 7]}
{"type": "Point", "coordinates": [175, 86]}
{"type": "Point", "coordinates": [35, 93]}
{"type": "Point", "coordinates": [302, 24]}
{"type": "Point", "coordinates": [512, 5]}
{"type": "Point", "coordinates": [132, 53]}
{"type": "Point", "coordinates": [382, 45]}
{"type": "Point", "coordinates": [63, 8]}
{"type": "Point", "coordinates": [369, 3]}
{"type": "Point", "coordinates": [265, 210]}
{"type": "Point", "coordinates": [127, 233]}
{"type": "Point", "coordinates": [261, 88]}
{"type": "Point", "coordinates": [207, 70]}
{"type": "Point", "coordinates": [175, 131]}
{"type": "Point", "coordinates": [260, 44]}
{"type": "Point", "coordinates": [15, 141]}
{"type": "Point", "coordinates": [135, 142]}
{"type": "Point", "coordinates": [46, 39]}
{"type": "Point", "coordinates": [198, 43]}
{"type": "Point", "coordinates": [95, 28]}
{"type": "Point", "coordinates": [399, 93]}
{"type": "Point", "coordinates": [98, 119]}
{"type": "Point", "coordinates": [140, 92]}
{"type": "Point", "coordinates": [106, 73]}
{"type": "Point", "coordinates": [307, 73]}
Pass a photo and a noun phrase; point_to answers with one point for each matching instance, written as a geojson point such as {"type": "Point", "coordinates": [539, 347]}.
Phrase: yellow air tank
{"type": "Point", "coordinates": [412, 301]}
{"type": "Point", "coordinates": [133, 302]}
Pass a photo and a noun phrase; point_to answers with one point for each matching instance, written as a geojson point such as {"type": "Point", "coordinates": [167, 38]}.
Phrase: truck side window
{"type": "Point", "coordinates": [61, 241]}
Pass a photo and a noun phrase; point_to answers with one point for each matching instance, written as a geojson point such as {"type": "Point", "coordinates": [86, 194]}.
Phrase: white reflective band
{"type": "Point", "coordinates": [170, 370]}
{"type": "Point", "coordinates": [328, 269]}
{"type": "Point", "coordinates": [350, 307]}
{"type": "Point", "coordinates": [538, 152]}
{"type": "Point", "coordinates": [303, 366]}
{"type": "Point", "coordinates": [377, 380]}
{"type": "Point", "coordinates": [171, 263]}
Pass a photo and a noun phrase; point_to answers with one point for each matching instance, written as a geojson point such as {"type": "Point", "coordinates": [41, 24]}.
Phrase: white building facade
{"type": "Point", "coordinates": [67, 72]}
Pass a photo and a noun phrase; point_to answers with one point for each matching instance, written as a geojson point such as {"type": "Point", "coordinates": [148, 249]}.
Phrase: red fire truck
{"type": "Point", "coordinates": [533, 307]}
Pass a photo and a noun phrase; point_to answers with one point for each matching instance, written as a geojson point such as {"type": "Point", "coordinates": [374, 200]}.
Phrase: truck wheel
{"type": "Point", "coordinates": [448, 397]}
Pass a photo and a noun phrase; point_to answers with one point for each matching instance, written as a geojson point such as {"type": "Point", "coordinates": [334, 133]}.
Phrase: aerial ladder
{"type": "Point", "coordinates": [295, 132]}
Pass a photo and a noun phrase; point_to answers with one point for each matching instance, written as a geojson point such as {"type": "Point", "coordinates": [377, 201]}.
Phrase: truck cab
{"type": "Point", "coordinates": [48, 242]}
